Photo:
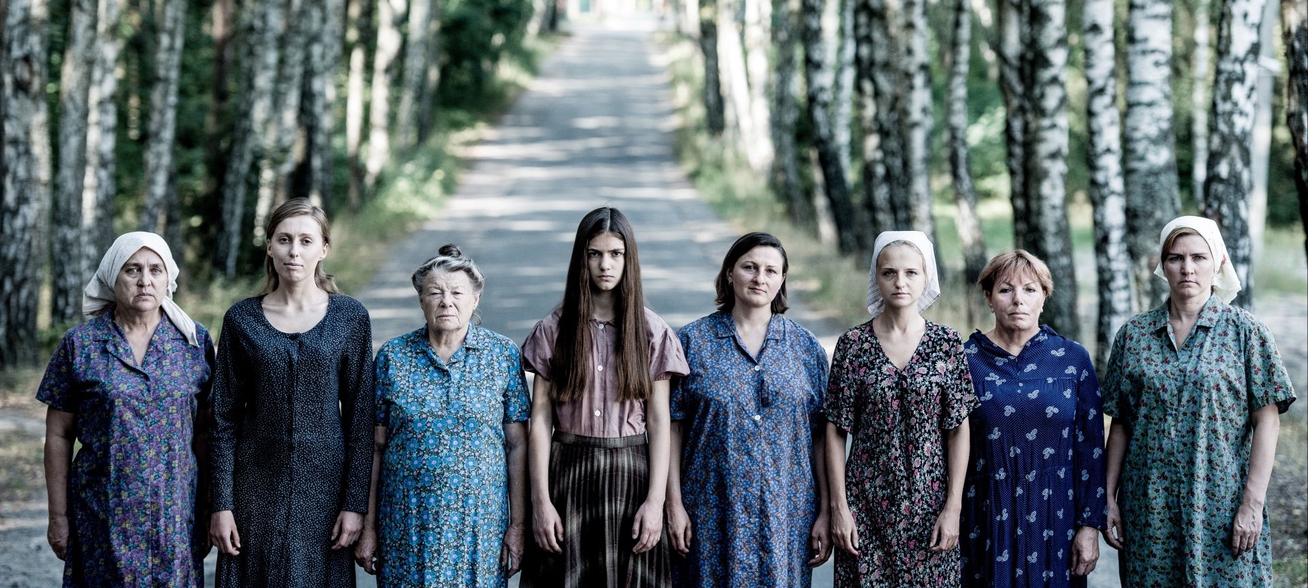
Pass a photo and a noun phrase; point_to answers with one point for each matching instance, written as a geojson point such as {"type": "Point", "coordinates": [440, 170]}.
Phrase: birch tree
{"type": "Point", "coordinates": [1294, 28]}
{"type": "Point", "coordinates": [283, 130]}
{"type": "Point", "coordinates": [878, 113]}
{"type": "Point", "coordinates": [415, 96]}
{"type": "Point", "coordinates": [759, 148]}
{"type": "Point", "coordinates": [390, 13]}
{"type": "Point", "coordinates": [66, 206]}
{"type": "Point", "coordinates": [1012, 15]}
{"type": "Point", "coordinates": [1199, 100]}
{"type": "Point", "coordinates": [969, 227]}
{"type": "Point", "coordinates": [818, 82]}
{"type": "Point", "coordinates": [841, 58]}
{"type": "Point", "coordinates": [714, 116]}
{"type": "Point", "coordinates": [784, 114]}
{"type": "Point", "coordinates": [1104, 161]}
{"type": "Point", "coordinates": [98, 189]}
{"type": "Point", "coordinates": [358, 23]}
{"type": "Point", "coordinates": [163, 115]}
{"type": "Point", "coordinates": [917, 118]}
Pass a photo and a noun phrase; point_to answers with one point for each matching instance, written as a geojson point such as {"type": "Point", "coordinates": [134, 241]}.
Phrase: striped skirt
{"type": "Point", "coordinates": [597, 485]}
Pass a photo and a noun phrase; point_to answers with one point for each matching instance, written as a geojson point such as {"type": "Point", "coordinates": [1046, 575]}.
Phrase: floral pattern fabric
{"type": "Point", "coordinates": [895, 476]}
{"type": "Point", "coordinates": [1036, 471]}
{"type": "Point", "coordinates": [443, 503]}
{"type": "Point", "coordinates": [131, 488]}
{"type": "Point", "coordinates": [1184, 473]}
{"type": "Point", "coordinates": [747, 478]}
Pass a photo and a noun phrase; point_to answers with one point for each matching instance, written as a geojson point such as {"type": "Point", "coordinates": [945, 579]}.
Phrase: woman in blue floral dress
{"type": "Point", "coordinates": [1034, 500]}
{"type": "Point", "coordinates": [899, 384]}
{"type": "Point", "coordinates": [747, 500]}
{"type": "Point", "coordinates": [131, 385]}
{"type": "Point", "coordinates": [449, 473]}
{"type": "Point", "coordinates": [1195, 388]}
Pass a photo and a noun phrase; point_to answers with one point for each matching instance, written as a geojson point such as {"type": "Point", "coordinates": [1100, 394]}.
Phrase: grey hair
{"type": "Point", "coordinates": [449, 259]}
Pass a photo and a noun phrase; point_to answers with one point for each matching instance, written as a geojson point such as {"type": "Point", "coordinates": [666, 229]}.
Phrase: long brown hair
{"type": "Point", "coordinates": [571, 365]}
{"type": "Point", "coordinates": [288, 209]}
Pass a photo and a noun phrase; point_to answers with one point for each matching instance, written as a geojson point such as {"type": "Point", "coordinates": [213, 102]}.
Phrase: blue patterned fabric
{"type": "Point", "coordinates": [131, 488]}
{"type": "Point", "coordinates": [1036, 471]}
{"type": "Point", "coordinates": [746, 468]}
{"type": "Point", "coordinates": [443, 501]}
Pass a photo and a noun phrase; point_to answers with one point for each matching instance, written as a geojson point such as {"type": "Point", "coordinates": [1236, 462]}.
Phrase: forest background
{"type": "Point", "coordinates": [1073, 128]}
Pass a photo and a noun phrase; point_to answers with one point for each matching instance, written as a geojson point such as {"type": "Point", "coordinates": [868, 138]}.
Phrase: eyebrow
{"type": "Point", "coordinates": [614, 250]}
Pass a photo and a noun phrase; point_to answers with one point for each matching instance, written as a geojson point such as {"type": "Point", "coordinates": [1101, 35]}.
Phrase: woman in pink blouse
{"type": "Point", "coordinates": [597, 450]}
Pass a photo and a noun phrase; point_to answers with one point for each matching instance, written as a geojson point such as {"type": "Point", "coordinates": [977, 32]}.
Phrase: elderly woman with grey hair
{"type": "Point", "coordinates": [449, 487]}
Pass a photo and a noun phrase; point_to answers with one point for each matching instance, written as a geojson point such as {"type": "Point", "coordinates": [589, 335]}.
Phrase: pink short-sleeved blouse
{"type": "Point", "coordinates": [599, 413]}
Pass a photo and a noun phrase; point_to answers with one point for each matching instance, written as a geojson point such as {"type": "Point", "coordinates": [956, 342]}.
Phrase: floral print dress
{"type": "Point", "coordinates": [131, 488]}
{"type": "Point", "coordinates": [443, 497]}
{"type": "Point", "coordinates": [747, 471]}
{"type": "Point", "coordinates": [1186, 463]}
{"type": "Point", "coordinates": [895, 476]}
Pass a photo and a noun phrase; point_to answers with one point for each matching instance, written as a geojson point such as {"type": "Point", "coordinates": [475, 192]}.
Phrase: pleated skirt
{"type": "Point", "coordinates": [597, 484]}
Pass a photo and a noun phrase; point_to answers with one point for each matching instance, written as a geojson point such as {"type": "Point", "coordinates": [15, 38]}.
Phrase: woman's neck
{"type": "Point", "coordinates": [297, 296]}
{"type": "Point", "coordinates": [131, 321]}
{"type": "Point", "coordinates": [445, 343]}
{"type": "Point", "coordinates": [898, 320]}
{"type": "Point", "coordinates": [751, 319]}
{"type": "Point", "coordinates": [1186, 308]}
{"type": "Point", "coordinates": [603, 305]}
{"type": "Point", "coordinates": [1011, 340]}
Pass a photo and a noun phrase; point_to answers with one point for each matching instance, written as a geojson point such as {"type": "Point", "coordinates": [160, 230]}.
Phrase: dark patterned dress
{"type": "Point", "coordinates": [1185, 468]}
{"type": "Point", "coordinates": [895, 477]}
{"type": "Point", "coordinates": [747, 472]}
{"type": "Point", "coordinates": [1037, 463]}
{"type": "Point", "coordinates": [443, 498]}
{"type": "Point", "coordinates": [131, 489]}
{"type": "Point", "coordinates": [293, 443]}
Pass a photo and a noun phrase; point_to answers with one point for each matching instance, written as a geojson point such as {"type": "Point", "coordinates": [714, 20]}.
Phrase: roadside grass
{"type": "Point", "coordinates": [836, 286]}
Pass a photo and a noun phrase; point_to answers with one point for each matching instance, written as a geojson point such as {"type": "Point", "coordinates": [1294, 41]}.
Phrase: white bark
{"type": "Point", "coordinates": [98, 190]}
{"type": "Point", "coordinates": [163, 115]}
{"type": "Point", "coordinates": [358, 24]}
{"type": "Point", "coordinates": [389, 14]}
{"type": "Point", "coordinates": [284, 130]}
{"type": "Point", "coordinates": [760, 149]}
{"type": "Point", "coordinates": [66, 209]}
{"type": "Point", "coordinates": [918, 116]}
{"type": "Point", "coordinates": [1294, 30]}
{"type": "Point", "coordinates": [1199, 100]}
{"type": "Point", "coordinates": [966, 222]}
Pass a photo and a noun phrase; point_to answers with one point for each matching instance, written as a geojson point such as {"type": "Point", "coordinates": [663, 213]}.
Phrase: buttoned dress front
{"type": "Point", "coordinates": [443, 503]}
{"type": "Point", "coordinates": [1187, 461]}
{"type": "Point", "coordinates": [131, 489]}
{"type": "Point", "coordinates": [746, 466]}
{"type": "Point", "coordinates": [292, 446]}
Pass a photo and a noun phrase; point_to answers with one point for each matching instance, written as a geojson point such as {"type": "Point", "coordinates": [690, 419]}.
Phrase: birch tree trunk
{"type": "Point", "coordinates": [427, 112]}
{"type": "Point", "coordinates": [878, 114]}
{"type": "Point", "coordinates": [759, 149]}
{"type": "Point", "coordinates": [918, 118]}
{"type": "Point", "coordinates": [66, 207]}
{"type": "Point", "coordinates": [284, 131]}
{"type": "Point", "coordinates": [216, 121]}
{"type": "Point", "coordinates": [1149, 153]}
{"type": "Point", "coordinates": [1294, 28]}
{"type": "Point", "coordinates": [163, 115]}
{"type": "Point", "coordinates": [98, 190]}
{"type": "Point", "coordinates": [389, 15]}
{"type": "Point", "coordinates": [24, 176]}
{"type": "Point", "coordinates": [1230, 177]}
{"type": "Point", "coordinates": [1104, 160]}
{"type": "Point", "coordinates": [969, 227]}
{"type": "Point", "coordinates": [1199, 100]}
{"type": "Point", "coordinates": [1012, 40]}
{"type": "Point", "coordinates": [413, 83]}
{"type": "Point", "coordinates": [714, 116]}
{"type": "Point", "coordinates": [358, 22]}
{"type": "Point", "coordinates": [732, 60]}
{"type": "Point", "coordinates": [319, 95]}
{"type": "Point", "coordinates": [785, 114]}
{"type": "Point", "coordinates": [818, 81]}
{"type": "Point", "coordinates": [1046, 168]}
{"type": "Point", "coordinates": [843, 74]}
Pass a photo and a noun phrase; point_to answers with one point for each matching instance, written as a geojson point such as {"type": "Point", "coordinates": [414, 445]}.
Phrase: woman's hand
{"type": "Point", "coordinates": [223, 534]}
{"type": "Point", "coordinates": [843, 531]}
{"type": "Point", "coordinates": [511, 551]}
{"type": "Point", "coordinates": [944, 536]}
{"type": "Point", "coordinates": [1115, 535]}
{"type": "Point", "coordinates": [365, 550]}
{"type": "Point", "coordinates": [1246, 528]}
{"type": "Point", "coordinates": [679, 531]}
{"type": "Point", "coordinates": [57, 535]}
{"type": "Point", "coordinates": [819, 540]}
{"type": "Point", "coordinates": [1085, 551]}
{"type": "Point", "coordinates": [648, 528]}
{"type": "Point", "coordinates": [547, 528]}
{"type": "Point", "coordinates": [348, 525]}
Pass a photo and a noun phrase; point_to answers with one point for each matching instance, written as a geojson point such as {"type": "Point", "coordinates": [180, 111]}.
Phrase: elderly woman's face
{"type": "Point", "coordinates": [1189, 267]}
{"type": "Point", "coordinates": [448, 300]}
{"type": "Point", "coordinates": [142, 282]}
{"type": "Point", "coordinates": [901, 276]}
{"type": "Point", "coordinates": [1017, 301]}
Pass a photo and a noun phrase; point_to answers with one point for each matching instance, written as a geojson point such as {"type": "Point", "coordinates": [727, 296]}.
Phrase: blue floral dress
{"type": "Point", "coordinates": [1036, 471]}
{"type": "Point", "coordinates": [1185, 468]}
{"type": "Point", "coordinates": [747, 477]}
{"type": "Point", "coordinates": [131, 489]}
{"type": "Point", "coordinates": [443, 501]}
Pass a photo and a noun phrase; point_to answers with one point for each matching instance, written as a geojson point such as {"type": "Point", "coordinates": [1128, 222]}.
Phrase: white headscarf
{"type": "Point", "coordinates": [99, 292]}
{"type": "Point", "coordinates": [875, 304]}
{"type": "Point", "coordinates": [1226, 284]}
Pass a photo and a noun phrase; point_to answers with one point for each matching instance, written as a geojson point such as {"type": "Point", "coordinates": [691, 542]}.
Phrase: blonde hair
{"type": "Point", "coordinates": [1013, 263]}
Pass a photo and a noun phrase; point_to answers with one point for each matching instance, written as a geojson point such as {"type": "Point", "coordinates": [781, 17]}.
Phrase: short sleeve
{"type": "Point", "coordinates": [957, 397]}
{"type": "Point", "coordinates": [517, 404]}
{"type": "Point", "coordinates": [839, 406]}
{"type": "Point", "coordinates": [383, 385]}
{"type": "Point", "coordinates": [58, 388]}
{"type": "Point", "coordinates": [538, 349]}
{"type": "Point", "coordinates": [1268, 380]}
{"type": "Point", "coordinates": [1114, 388]}
{"type": "Point", "coordinates": [815, 366]}
{"type": "Point", "coordinates": [666, 357]}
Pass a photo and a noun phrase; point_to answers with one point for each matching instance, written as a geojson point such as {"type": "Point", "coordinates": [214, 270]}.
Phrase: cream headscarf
{"type": "Point", "coordinates": [99, 292]}
{"type": "Point", "coordinates": [875, 304]}
{"type": "Point", "coordinates": [1226, 284]}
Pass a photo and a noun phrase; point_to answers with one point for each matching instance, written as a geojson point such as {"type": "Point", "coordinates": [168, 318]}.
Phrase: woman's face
{"type": "Point", "coordinates": [757, 277]}
{"type": "Point", "coordinates": [448, 301]}
{"type": "Point", "coordinates": [606, 259]}
{"type": "Point", "coordinates": [901, 276]}
{"type": "Point", "coordinates": [296, 247]}
{"type": "Point", "coordinates": [1017, 301]}
{"type": "Point", "coordinates": [142, 282]}
{"type": "Point", "coordinates": [1189, 267]}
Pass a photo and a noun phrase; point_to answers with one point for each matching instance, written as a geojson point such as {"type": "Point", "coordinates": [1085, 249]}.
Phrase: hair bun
{"type": "Point", "coordinates": [450, 250]}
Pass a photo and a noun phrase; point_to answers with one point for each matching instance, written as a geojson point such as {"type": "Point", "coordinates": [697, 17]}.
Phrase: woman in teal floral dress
{"type": "Point", "coordinates": [1195, 388]}
{"type": "Point", "coordinates": [449, 472]}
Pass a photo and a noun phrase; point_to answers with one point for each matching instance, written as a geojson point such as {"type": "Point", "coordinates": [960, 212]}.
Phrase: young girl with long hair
{"type": "Point", "coordinates": [598, 444]}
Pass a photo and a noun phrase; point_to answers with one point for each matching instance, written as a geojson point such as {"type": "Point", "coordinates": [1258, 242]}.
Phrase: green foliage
{"type": "Point", "coordinates": [475, 35]}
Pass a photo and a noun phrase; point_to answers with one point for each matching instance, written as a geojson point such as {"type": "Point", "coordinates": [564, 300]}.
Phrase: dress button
{"type": "Point", "coordinates": [758, 417]}
{"type": "Point", "coordinates": [601, 326]}
{"type": "Point", "coordinates": [758, 368]}
{"type": "Point", "coordinates": [597, 413]}
{"type": "Point", "coordinates": [599, 368]}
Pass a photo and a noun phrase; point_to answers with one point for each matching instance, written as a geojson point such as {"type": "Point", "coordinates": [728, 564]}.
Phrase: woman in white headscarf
{"type": "Point", "coordinates": [130, 385]}
{"type": "Point", "coordinates": [1195, 388]}
{"type": "Point", "coordinates": [900, 385]}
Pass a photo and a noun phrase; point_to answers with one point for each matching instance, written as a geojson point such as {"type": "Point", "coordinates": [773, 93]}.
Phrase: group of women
{"type": "Point", "coordinates": [715, 455]}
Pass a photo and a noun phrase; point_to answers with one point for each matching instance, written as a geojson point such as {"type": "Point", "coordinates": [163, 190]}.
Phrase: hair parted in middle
{"type": "Point", "coordinates": [571, 365]}
{"type": "Point", "coordinates": [726, 296]}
